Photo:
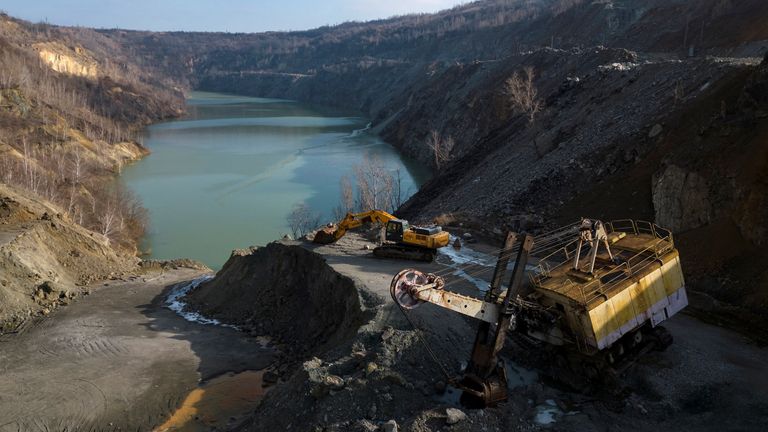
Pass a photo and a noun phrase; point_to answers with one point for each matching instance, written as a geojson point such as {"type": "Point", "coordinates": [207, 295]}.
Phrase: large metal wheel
{"type": "Point", "coordinates": [401, 287]}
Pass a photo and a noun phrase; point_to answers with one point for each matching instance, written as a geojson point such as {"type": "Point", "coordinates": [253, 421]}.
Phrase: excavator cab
{"type": "Point", "coordinates": [395, 230]}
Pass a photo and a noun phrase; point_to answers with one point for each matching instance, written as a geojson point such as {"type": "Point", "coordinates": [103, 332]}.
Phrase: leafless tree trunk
{"type": "Point", "coordinates": [347, 200]}
{"type": "Point", "coordinates": [374, 184]}
{"type": "Point", "coordinates": [108, 217]}
{"type": "Point", "coordinates": [302, 220]}
{"type": "Point", "coordinates": [397, 190]}
{"type": "Point", "coordinates": [522, 93]}
{"type": "Point", "coordinates": [441, 148]}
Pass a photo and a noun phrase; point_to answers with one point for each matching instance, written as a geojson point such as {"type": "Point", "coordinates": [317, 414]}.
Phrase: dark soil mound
{"type": "Point", "coordinates": [284, 291]}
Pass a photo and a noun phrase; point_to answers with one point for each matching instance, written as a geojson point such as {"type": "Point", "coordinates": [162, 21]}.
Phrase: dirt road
{"type": "Point", "coordinates": [115, 360]}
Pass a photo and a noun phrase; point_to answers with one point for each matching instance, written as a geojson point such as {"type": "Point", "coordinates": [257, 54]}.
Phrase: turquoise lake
{"type": "Point", "coordinates": [227, 175]}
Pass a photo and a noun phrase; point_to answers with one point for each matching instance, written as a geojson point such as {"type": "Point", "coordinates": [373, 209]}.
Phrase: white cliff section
{"type": "Point", "coordinates": [71, 61]}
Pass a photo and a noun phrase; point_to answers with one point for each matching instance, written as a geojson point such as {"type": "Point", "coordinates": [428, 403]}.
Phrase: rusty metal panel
{"type": "Point", "coordinates": [470, 306]}
{"type": "Point", "coordinates": [625, 316]}
{"type": "Point", "coordinates": [643, 298]}
{"type": "Point", "coordinates": [672, 275]}
{"type": "Point", "coordinates": [633, 306]}
{"type": "Point", "coordinates": [653, 286]}
{"type": "Point", "coordinates": [677, 301]}
{"type": "Point", "coordinates": [603, 324]}
{"type": "Point", "coordinates": [587, 329]}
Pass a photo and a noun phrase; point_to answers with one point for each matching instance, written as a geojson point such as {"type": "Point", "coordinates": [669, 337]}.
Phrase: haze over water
{"type": "Point", "coordinates": [227, 176]}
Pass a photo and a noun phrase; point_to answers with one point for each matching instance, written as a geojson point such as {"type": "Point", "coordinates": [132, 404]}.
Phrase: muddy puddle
{"type": "Point", "coordinates": [217, 403]}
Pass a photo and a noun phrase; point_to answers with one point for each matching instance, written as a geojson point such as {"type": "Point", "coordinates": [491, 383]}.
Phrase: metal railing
{"type": "Point", "coordinates": [635, 264]}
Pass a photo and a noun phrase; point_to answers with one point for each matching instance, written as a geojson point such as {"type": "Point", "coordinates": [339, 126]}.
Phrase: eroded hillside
{"type": "Point", "coordinates": [71, 103]}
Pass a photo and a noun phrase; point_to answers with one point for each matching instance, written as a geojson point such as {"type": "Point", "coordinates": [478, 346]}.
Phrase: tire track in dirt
{"type": "Point", "coordinates": [115, 360]}
{"type": "Point", "coordinates": [80, 398]}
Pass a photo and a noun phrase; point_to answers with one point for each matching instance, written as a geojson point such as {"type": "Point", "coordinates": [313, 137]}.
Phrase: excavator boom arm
{"type": "Point", "coordinates": [350, 221]}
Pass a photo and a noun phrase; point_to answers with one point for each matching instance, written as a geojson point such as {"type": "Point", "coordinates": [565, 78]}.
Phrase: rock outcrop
{"type": "Point", "coordinates": [71, 61]}
{"type": "Point", "coordinates": [681, 199]}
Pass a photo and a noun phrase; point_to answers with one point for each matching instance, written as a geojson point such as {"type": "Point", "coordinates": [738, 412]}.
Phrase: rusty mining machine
{"type": "Point", "coordinates": [594, 313]}
{"type": "Point", "coordinates": [402, 240]}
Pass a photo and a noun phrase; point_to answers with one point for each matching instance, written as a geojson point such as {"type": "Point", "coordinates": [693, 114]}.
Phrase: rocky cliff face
{"type": "Point", "coordinates": [681, 199]}
{"type": "Point", "coordinates": [68, 61]}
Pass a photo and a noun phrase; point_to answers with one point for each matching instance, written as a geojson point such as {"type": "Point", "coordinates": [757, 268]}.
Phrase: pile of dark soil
{"type": "Point", "coordinates": [286, 292]}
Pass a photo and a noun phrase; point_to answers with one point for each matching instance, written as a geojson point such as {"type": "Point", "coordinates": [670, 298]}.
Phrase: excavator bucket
{"type": "Point", "coordinates": [326, 235]}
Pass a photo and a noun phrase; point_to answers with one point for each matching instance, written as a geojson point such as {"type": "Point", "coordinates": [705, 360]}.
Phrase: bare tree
{"type": "Point", "coordinates": [8, 168]}
{"type": "Point", "coordinates": [347, 199]}
{"type": "Point", "coordinates": [374, 184]}
{"type": "Point", "coordinates": [397, 190]}
{"type": "Point", "coordinates": [302, 220]}
{"type": "Point", "coordinates": [108, 217]}
{"type": "Point", "coordinates": [441, 148]}
{"type": "Point", "coordinates": [522, 93]}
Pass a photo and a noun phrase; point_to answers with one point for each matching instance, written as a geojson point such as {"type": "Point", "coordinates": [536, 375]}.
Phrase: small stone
{"type": "Point", "coordinates": [334, 382]}
{"type": "Point", "coordinates": [656, 130]}
{"type": "Point", "coordinates": [364, 425]}
{"type": "Point", "coordinates": [467, 235]}
{"type": "Point", "coordinates": [315, 363]}
{"type": "Point", "coordinates": [642, 409]}
{"type": "Point", "coordinates": [370, 368]}
{"type": "Point", "coordinates": [457, 244]}
{"type": "Point", "coordinates": [454, 415]}
{"type": "Point", "coordinates": [389, 426]}
{"type": "Point", "coordinates": [366, 247]}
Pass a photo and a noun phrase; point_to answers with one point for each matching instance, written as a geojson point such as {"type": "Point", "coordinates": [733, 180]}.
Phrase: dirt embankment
{"type": "Point", "coordinates": [46, 260]}
{"type": "Point", "coordinates": [286, 292]}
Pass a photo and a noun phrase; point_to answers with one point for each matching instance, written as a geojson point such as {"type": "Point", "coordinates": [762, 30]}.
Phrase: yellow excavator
{"type": "Point", "coordinates": [401, 239]}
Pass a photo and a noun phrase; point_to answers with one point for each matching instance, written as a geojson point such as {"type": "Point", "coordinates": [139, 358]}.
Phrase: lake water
{"type": "Point", "coordinates": [228, 174]}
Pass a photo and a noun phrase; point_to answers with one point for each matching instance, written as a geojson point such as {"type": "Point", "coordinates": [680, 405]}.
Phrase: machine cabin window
{"type": "Point", "coordinates": [394, 231]}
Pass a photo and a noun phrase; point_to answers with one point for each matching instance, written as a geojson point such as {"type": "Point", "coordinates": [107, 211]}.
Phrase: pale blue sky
{"type": "Point", "coordinates": [214, 15]}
